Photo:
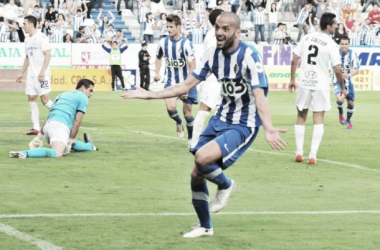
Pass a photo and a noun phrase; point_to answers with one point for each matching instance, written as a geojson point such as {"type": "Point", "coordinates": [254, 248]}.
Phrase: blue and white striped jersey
{"type": "Point", "coordinates": [77, 21]}
{"type": "Point", "coordinates": [3, 32]}
{"type": "Point", "coordinates": [238, 73]}
{"type": "Point", "coordinates": [349, 62]}
{"type": "Point", "coordinates": [260, 17]}
{"type": "Point", "coordinates": [58, 34]}
{"type": "Point", "coordinates": [178, 55]}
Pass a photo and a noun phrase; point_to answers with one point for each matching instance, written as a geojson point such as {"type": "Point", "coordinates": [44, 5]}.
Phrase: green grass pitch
{"type": "Point", "coordinates": [135, 190]}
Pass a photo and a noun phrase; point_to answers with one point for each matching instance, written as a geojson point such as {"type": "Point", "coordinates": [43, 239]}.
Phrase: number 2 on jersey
{"type": "Point", "coordinates": [312, 54]}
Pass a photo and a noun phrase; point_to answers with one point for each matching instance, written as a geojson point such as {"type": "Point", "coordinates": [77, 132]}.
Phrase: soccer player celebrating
{"type": "Point", "coordinates": [229, 133]}
{"type": "Point", "coordinates": [180, 62]}
{"type": "Point", "coordinates": [37, 63]}
{"type": "Point", "coordinates": [62, 125]}
{"type": "Point", "coordinates": [209, 90]}
{"type": "Point", "coordinates": [315, 51]}
{"type": "Point", "coordinates": [350, 67]}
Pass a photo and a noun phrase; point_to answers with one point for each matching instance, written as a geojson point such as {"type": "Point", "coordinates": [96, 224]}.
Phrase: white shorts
{"type": "Point", "coordinates": [209, 92]}
{"type": "Point", "coordinates": [35, 87]}
{"type": "Point", "coordinates": [157, 7]}
{"type": "Point", "coordinates": [317, 100]}
{"type": "Point", "coordinates": [56, 132]}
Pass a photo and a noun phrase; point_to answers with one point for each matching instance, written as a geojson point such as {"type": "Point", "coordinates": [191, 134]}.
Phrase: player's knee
{"type": "Point", "coordinates": [196, 176]}
{"type": "Point", "coordinates": [201, 160]}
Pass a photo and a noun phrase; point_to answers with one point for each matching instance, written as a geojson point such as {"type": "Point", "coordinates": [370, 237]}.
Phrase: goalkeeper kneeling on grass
{"type": "Point", "coordinates": [62, 125]}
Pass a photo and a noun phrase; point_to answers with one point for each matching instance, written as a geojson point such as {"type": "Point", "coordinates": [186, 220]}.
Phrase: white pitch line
{"type": "Point", "coordinates": [23, 216]}
{"type": "Point", "coordinates": [44, 245]}
{"type": "Point", "coordinates": [343, 164]}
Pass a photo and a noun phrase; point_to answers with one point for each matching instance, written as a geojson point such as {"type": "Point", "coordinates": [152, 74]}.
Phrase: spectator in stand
{"type": "Point", "coordinates": [189, 23]}
{"type": "Point", "coordinates": [36, 12]}
{"type": "Point", "coordinates": [368, 2]}
{"type": "Point", "coordinates": [279, 34]}
{"type": "Point", "coordinates": [85, 36]}
{"type": "Point", "coordinates": [199, 6]}
{"type": "Point", "coordinates": [287, 6]}
{"type": "Point", "coordinates": [301, 21]}
{"type": "Point", "coordinates": [119, 38]}
{"type": "Point", "coordinates": [161, 24]}
{"type": "Point", "coordinates": [68, 39]}
{"type": "Point", "coordinates": [235, 5]}
{"type": "Point", "coordinates": [46, 28]}
{"type": "Point", "coordinates": [259, 23]}
{"type": "Point", "coordinates": [364, 28]}
{"type": "Point", "coordinates": [128, 5]}
{"type": "Point", "coordinates": [143, 9]}
{"type": "Point", "coordinates": [64, 11]}
{"type": "Point", "coordinates": [62, 19]}
{"type": "Point", "coordinates": [27, 4]}
{"type": "Point", "coordinates": [58, 32]}
{"type": "Point", "coordinates": [226, 7]}
{"type": "Point", "coordinates": [322, 7]}
{"type": "Point", "coordinates": [354, 36]}
{"type": "Point", "coordinates": [3, 31]}
{"type": "Point", "coordinates": [44, 4]}
{"type": "Point", "coordinates": [339, 33]}
{"type": "Point", "coordinates": [86, 5]}
{"type": "Point", "coordinates": [109, 34]}
{"type": "Point", "coordinates": [371, 34]}
{"type": "Point", "coordinates": [198, 33]}
{"type": "Point", "coordinates": [374, 14]}
{"type": "Point", "coordinates": [14, 33]}
{"type": "Point", "coordinates": [148, 28]}
{"type": "Point", "coordinates": [96, 31]}
{"type": "Point", "coordinates": [78, 20]}
{"type": "Point", "coordinates": [335, 9]}
{"type": "Point", "coordinates": [350, 22]}
{"type": "Point", "coordinates": [103, 24]}
{"type": "Point", "coordinates": [272, 20]}
{"type": "Point", "coordinates": [51, 15]}
{"type": "Point", "coordinates": [314, 27]}
{"type": "Point", "coordinates": [10, 12]}
{"type": "Point", "coordinates": [348, 11]}
{"type": "Point", "coordinates": [250, 6]}
{"type": "Point", "coordinates": [157, 6]}
{"type": "Point", "coordinates": [352, 3]}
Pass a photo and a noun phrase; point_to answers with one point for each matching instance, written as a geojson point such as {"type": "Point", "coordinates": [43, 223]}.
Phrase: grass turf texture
{"type": "Point", "coordinates": [136, 171]}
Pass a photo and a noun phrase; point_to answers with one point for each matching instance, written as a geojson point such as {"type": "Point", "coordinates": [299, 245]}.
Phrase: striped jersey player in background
{"type": "Point", "coordinates": [350, 67]}
{"type": "Point", "coordinates": [239, 69]}
{"type": "Point", "coordinates": [180, 62]}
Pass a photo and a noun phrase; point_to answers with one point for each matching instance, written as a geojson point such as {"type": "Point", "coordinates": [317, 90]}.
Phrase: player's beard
{"type": "Point", "coordinates": [228, 42]}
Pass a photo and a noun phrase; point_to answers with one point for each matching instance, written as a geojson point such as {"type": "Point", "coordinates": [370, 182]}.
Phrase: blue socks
{"type": "Point", "coordinates": [189, 126]}
{"type": "Point", "coordinates": [350, 112]}
{"type": "Point", "coordinates": [174, 115]}
{"type": "Point", "coordinates": [82, 146]}
{"type": "Point", "coordinates": [214, 173]}
{"type": "Point", "coordinates": [200, 202]}
{"type": "Point", "coordinates": [40, 153]}
{"type": "Point", "coordinates": [340, 107]}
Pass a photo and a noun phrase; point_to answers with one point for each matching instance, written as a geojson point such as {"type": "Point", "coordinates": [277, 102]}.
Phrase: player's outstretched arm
{"type": "Point", "coordinates": [272, 135]}
{"type": "Point", "coordinates": [173, 91]}
{"type": "Point", "coordinates": [293, 85]}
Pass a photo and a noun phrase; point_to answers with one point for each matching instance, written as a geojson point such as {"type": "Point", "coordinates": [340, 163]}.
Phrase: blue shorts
{"type": "Point", "coordinates": [192, 97]}
{"type": "Point", "coordinates": [233, 139]}
{"type": "Point", "coordinates": [349, 88]}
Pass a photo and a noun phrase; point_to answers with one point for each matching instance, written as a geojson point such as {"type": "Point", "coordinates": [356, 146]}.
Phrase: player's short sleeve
{"type": "Point", "coordinates": [189, 51]}
{"type": "Point", "coordinates": [83, 103]}
{"type": "Point", "coordinates": [334, 53]}
{"type": "Point", "coordinates": [45, 45]}
{"type": "Point", "coordinates": [255, 69]}
{"type": "Point", "coordinates": [203, 68]}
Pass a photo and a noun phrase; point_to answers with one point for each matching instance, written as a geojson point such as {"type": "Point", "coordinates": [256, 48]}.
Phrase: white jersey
{"type": "Point", "coordinates": [34, 50]}
{"type": "Point", "coordinates": [316, 50]}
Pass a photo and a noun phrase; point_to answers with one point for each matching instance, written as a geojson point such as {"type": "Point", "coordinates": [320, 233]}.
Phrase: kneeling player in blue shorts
{"type": "Point", "coordinates": [350, 67]}
{"type": "Point", "coordinates": [62, 126]}
{"type": "Point", "coordinates": [238, 68]}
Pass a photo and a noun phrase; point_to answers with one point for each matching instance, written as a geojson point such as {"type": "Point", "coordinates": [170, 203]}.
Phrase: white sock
{"type": "Point", "coordinates": [48, 104]}
{"type": "Point", "coordinates": [316, 140]}
{"type": "Point", "coordinates": [35, 115]}
{"type": "Point", "coordinates": [299, 132]}
{"type": "Point", "coordinates": [199, 121]}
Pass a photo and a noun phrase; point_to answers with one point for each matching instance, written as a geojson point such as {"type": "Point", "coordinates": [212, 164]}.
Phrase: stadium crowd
{"type": "Point", "coordinates": [74, 20]}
